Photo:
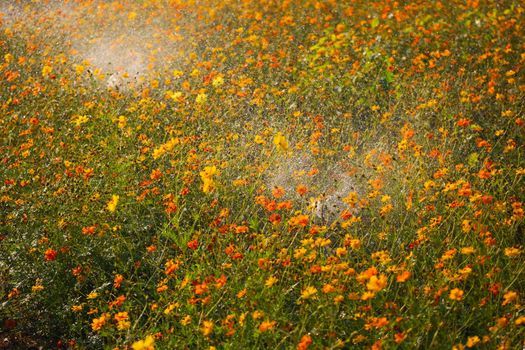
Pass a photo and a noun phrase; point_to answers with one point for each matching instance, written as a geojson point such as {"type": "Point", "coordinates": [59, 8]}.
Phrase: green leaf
{"type": "Point", "coordinates": [254, 224]}
{"type": "Point", "coordinates": [473, 159]}
{"type": "Point", "coordinates": [389, 76]}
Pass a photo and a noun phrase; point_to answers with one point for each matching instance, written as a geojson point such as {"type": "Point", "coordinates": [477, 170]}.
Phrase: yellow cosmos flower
{"type": "Point", "coordinates": [46, 71]}
{"type": "Point", "coordinates": [308, 292]}
{"type": "Point", "coordinates": [207, 328]}
{"type": "Point", "coordinates": [270, 281]}
{"type": "Point", "coordinates": [512, 252]}
{"type": "Point", "coordinates": [259, 140]}
{"type": "Point", "coordinates": [122, 121]}
{"type": "Point", "coordinates": [201, 98]}
{"type": "Point", "coordinates": [112, 204]}
{"type": "Point", "coordinates": [146, 344]}
{"type": "Point", "coordinates": [280, 142]}
{"type": "Point", "coordinates": [186, 320]}
{"type": "Point", "coordinates": [375, 284]}
{"type": "Point", "coordinates": [509, 297]}
{"type": "Point", "coordinates": [208, 184]}
{"type": "Point", "coordinates": [218, 81]}
{"type": "Point", "coordinates": [472, 341]}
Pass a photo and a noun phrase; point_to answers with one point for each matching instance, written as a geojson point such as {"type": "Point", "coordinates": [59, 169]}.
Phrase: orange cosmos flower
{"type": "Point", "coordinates": [299, 220]}
{"type": "Point", "coordinates": [193, 244]}
{"type": "Point", "coordinates": [171, 266]}
{"type": "Point", "coordinates": [301, 190]}
{"type": "Point", "coordinates": [118, 280]}
{"type": "Point", "coordinates": [375, 284]}
{"type": "Point", "coordinates": [267, 325]}
{"type": "Point", "coordinates": [403, 276]}
{"type": "Point", "coordinates": [90, 230]}
{"type": "Point", "coordinates": [456, 294]}
{"type": "Point", "coordinates": [278, 192]}
{"type": "Point", "coordinates": [305, 342]}
{"type": "Point", "coordinates": [207, 328]}
{"type": "Point", "coordinates": [509, 297]}
{"type": "Point", "coordinates": [50, 254]}
{"type": "Point", "coordinates": [99, 322]}
{"type": "Point", "coordinates": [121, 316]}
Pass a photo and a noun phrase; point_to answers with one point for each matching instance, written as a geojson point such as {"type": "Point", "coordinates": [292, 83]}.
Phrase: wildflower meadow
{"type": "Point", "coordinates": [262, 174]}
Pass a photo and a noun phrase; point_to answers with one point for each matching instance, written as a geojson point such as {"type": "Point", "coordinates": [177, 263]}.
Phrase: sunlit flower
{"type": "Point", "coordinates": [299, 220]}
{"type": "Point", "coordinates": [403, 277]}
{"type": "Point", "coordinates": [512, 252]}
{"type": "Point", "coordinates": [375, 284]}
{"type": "Point", "coordinates": [259, 140]}
{"type": "Point", "coordinates": [267, 325]}
{"type": "Point", "coordinates": [471, 341]}
{"type": "Point", "coordinates": [201, 98]}
{"type": "Point", "coordinates": [305, 342]}
{"type": "Point", "coordinates": [308, 292]}
{"type": "Point", "coordinates": [99, 322]}
{"type": "Point", "coordinates": [207, 177]}
{"type": "Point", "coordinates": [46, 71]}
{"type": "Point", "coordinates": [217, 81]}
{"type": "Point", "coordinates": [456, 294]}
{"type": "Point", "coordinates": [207, 328]}
{"type": "Point", "coordinates": [186, 320]}
{"type": "Point", "coordinates": [280, 142]}
{"type": "Point", "coordinates": [37, 287]}
{"type": "Point", "coordinates": [50, 254]}
{"type": "Point", "coordinates": [112, 204]}
{"type": "Point", "coordinates": [147, 344]}
{"type": "Point", "coordinates": [509, 297]}
{"type": "Point", "coordinates": [118, 280]}
{"type": "Point", "coordinates": [270, 281]}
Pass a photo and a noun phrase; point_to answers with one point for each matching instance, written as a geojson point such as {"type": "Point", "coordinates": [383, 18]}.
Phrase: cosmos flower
{"type": "Point", "coordinates": [112, 204]}
{"type": "Point", "coordinates": [280, 142]}
{"type": "Point", "coordinates": [146, 344]}
{"type": "Point", "coordinates": [456, 294]}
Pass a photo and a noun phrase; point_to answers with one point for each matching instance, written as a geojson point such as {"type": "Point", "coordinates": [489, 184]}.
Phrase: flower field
{"type": "Point", "coordinates": [270, 174]}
